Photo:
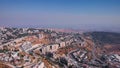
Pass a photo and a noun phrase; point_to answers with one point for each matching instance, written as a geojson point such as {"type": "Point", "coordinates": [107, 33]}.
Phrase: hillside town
{"type": "Point", "coordinates": [48, 48]}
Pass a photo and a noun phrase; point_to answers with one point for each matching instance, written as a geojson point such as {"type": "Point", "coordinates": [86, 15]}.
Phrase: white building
{"type": "Point", "coordinates": [117, 56]}
{"type": "Point", "coordinates": [26, 45]}
{"type": "Point", "coordinates": [62, 44]}
{"type": "Point", "coordinates": [41, 65]}
{"type": "Point", "coordinates": [51, 47]}
{"type": "Point", "coordinates": [40, 36]}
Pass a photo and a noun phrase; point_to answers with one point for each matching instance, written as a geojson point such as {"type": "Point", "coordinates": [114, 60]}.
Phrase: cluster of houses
{"type": "Point", "coordinates": [80, 55]}
{"type": "Point", "coordinates": [10, 51]}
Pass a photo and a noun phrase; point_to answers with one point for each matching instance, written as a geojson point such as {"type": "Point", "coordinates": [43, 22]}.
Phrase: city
{"type": "Point", "coordinates": [48, 48]}
{"type": "Point", "coordinates": [59, 33]}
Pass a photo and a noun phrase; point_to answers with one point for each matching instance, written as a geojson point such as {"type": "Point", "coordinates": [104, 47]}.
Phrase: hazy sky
{"type": "Point", "coordinates": [77, 14]}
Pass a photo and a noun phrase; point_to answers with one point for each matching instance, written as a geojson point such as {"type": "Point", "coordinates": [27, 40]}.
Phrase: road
{"type": "Point", "coordinates": [10, 65]}
{"type": "Point", "coordinates": [70, 56]}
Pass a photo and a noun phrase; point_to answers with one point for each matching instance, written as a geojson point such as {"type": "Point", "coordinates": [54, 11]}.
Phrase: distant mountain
{"type": "Point", "coordinates": [105, 37]}
{"type": "Point", "coordinates": [109, 41]}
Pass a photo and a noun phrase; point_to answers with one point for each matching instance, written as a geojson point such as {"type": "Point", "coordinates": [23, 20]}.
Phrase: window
{"type": "Point", "coordinates": [59, 45]}
{"type": "Point", "coordinates": [40, 50]}
{"type": "Point", "coordinates": [50, 47]}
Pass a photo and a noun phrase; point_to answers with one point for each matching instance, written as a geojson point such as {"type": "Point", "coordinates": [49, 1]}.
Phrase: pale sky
{"type": "Point", "coordinates": [77, 14]}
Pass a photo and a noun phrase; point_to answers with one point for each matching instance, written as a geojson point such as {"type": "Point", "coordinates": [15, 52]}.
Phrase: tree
{"type": "Point", "coordinates": [49, 54]}
{"type": "Point", "coordinates": [63, 61]}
